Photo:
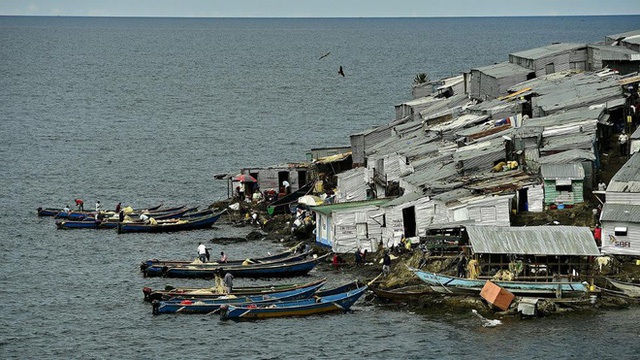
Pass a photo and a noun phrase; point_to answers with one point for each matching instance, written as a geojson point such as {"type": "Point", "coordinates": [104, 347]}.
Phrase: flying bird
{"type": "Point", "coordinates": [325, 55]}
{"type": "Point", "coordinates": [340, 71]}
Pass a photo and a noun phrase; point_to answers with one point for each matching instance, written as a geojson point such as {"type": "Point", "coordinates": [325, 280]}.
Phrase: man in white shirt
{"type": "Point", "coordinates": [202, 252]}
{"type": "Point", "coordinates": [98, 206]}
{"type": "Point", "coordinates": [622, 140]}
{"type": "Point", "coordinates": [286, 186]}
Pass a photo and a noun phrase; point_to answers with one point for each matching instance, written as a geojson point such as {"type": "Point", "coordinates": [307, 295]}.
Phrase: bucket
{"type": "Point", "coordinates": [560, 206]}
{"type": "Point", "coordinates": [637, 262]}
{"type": "Point", "coordinates": [592, 299]}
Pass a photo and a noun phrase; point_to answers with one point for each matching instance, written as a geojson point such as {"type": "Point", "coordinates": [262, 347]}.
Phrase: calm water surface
{"type": "Point", "coordinates": [148, 110]}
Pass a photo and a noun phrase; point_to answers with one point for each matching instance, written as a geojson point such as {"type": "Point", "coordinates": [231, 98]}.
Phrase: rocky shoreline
{"type": "Point", "coordinates": [278, 230]}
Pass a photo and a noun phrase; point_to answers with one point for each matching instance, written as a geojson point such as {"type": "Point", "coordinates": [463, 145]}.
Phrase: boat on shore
{"type": "Point", "coordinates": [218, 291]}
{"type": "Point", "coordinates": [212, 305]}
{"type": "Point", "coordinates": [624, 289]}
{"type": "Point", "coordinates": [292, 266]}
{"type": "Point", "coordinates": [340, 302]}
{"type": "Point", "coordinates": [455, 285]}
{"type": "Point", "coordinates": [203, 222]}
{"type": "Point", "coordinates": [405, 293]}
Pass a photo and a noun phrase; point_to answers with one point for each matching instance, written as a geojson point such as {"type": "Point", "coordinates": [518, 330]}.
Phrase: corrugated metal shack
{"type": "Point", "coordinates": [563, 183]}
{"type": "Point", "coordinates": [489, 82]}
{"type": "Point", "coordinates": [634, 140]}
{"type": "Point", "coordinates": [624, 60]}
{"type": "Point", "coordinates": [271, 177]}
{"type": "Point", "coordinates": [624, 187]}
{"type": "Point", "coordinates": [620, 229]}
{"type": "Point", "coordinates": [552, 58]}
{"type": "Point", "coordinates": [629, 39]}
{"type": "Point", "coordinates": [353, 185]}
{"type": "Point", "coordinates": [570, 90]}
{"type": "Point", "coordinates": [620, 215]}
{"type": "Point", "coordinates": [533, 252]}
{"type": "Point", "coordinates": [347, 227]}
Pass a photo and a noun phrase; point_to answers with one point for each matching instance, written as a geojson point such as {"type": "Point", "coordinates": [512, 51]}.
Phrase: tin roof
{"type": "Point", "coordinates": [548, 50]}
{"type": "Point", "coordinates": [627, 179]}
{"type": "Point", "coordinates": [573, 171]}
{"type": "Point", "coordinates": [631, 37]}
{"type": "Point", "coordinates": [533, 240]}
{"type": "Point", "coordinates": [503, 70]}
{"type": "Point", "coordinates": [568, 156]}
{"type": "Point", "coordinates": [616, 53]}
{"type": "Point", "coordinates": [620, 212]}
{"type": "Point", "coordinates": [328, 209]}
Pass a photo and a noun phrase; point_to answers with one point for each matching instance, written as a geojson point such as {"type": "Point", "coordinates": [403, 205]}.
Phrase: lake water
{"type": "Point", "coordinates": [145, 111]}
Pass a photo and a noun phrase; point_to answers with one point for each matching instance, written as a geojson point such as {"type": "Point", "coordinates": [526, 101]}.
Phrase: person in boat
{"type": "Point", "coordinates": [98, 206]}
{"type": "Point", "coordinates": [80, 204]}
{"type": "Point", "coordinates": [144, 217]}
{"type": "Point", "coordinates": [202, 252]}
{"type": "Point", "coordinates": [462, 267]}
{"type": "Point", "coordinates": [118, 207]}
{"type": "Point", "coordinates": [223, 257]}
{"type": "Point", "coordinates": [386, 264]}
{"type": "Point", "coordinates": [121, 216]}
{"type": "Point", "coordinates": [228, 282]}
{"type": "Point", "coordinates": [66, 209]}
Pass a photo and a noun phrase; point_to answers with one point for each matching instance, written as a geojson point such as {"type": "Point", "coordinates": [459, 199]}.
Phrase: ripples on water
{"type": "Point", "coordinates": [147, 110]}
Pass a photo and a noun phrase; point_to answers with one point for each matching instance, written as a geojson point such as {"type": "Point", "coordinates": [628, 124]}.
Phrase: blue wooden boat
{"type": "Point", "coordinates": [48, 211]}
{"type": "Point", "coordinates": [208, 306]}
{"type": "Point", "coordinates": [214, 292]}
{"type": "Point", "coordinates": [455, 285]}
{"type": "Point", "coordinates": [341, 302]}
{"type": "Point", "coordinates": [293, 266]}
{"type": "Point", "coordinates": [203, 222]}
{"type": "Point", "coordinates": [90, 223]}
{"type": "Point", "coordinates": [196, 214]}
{"type": "Point", "coordinates": [156, 265]}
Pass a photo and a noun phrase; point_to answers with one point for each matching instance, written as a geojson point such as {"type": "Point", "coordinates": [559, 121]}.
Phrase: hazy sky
{"type": "Point", "coordinates": [318, 8]}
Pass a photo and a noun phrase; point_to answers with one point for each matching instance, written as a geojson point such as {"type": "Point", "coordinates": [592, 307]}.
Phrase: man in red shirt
{"type": "Point", "coordinates": [80, 204]}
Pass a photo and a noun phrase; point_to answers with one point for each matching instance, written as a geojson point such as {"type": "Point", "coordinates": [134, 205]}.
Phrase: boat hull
{"type": "Point", "coordinates": [320, 305]}
{"type": "Point", "coordinates": [208, 306]}
{"type": "Point", "coordinates": [455, 285]}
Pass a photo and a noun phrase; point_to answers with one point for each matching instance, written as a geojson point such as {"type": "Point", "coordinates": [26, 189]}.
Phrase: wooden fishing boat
{"type": "Point", "coordinates": [203, 222]}
{"type": "Point", "coordinates": [216, 268]}
{"type": "Point", "coordinates": [405, 293]}
{"type": "Point", "coordinates": [341, 302]}
{"type": "Point", "coordinates": [627, 289]}
{"type": "Point", "coordinates": [161, 263]}
{"type": "Point", "coordinates": [208, 306]}
{"type": "Point", "coordinates": [85, 224]}
{"type": "Point", "coordinates": [455, 285]}
{"type": "Point", "coordinates": [196, 214]}
{"type": "Point", "coordinates": [218, 291]}
{"type": "Point", "coordinates": [58, 211]}
{"type": "Point", "coordinates": [277, 269]}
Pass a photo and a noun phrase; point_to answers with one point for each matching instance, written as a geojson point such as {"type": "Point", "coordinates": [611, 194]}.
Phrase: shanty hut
{"type": "Point", "coordinates": [563, 183]}
{"type": "Point", "coordinates": [271, 177]}
{"type": "Point", "coordinates": [629, 40]}
{"type": "Point", "coordinates": [346, 227]}
{"type": "Point", "coordinates": [624, 187]}
{"type": "Point", "coordinates": [491, 81]}
{"type": "Point", "coordinates": [620, 229]}
{"type": "Point", "coordinates": [552, 58]}
{"type": "Point", "coordinates": [537, 253]}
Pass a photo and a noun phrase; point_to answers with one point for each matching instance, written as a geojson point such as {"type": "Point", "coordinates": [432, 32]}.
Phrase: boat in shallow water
{"type": "Point", "coordinates": [159, 264]}
{"type": "Point", "coordinates": [219, 291]}
{"type": "Point", "coordinates": [340, 302]}
{"type": "Point", "coordinates": [208, 306]}
{"type": "Point", "coordinates": [294, 265]}
{"type": "Point", "coordinates": [203, 222]}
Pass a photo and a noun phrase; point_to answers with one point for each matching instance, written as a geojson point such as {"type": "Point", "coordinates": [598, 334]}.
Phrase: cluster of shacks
{"type": "Point", "coordinates": [523, 135]}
